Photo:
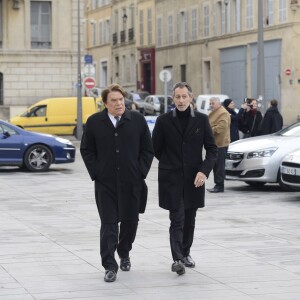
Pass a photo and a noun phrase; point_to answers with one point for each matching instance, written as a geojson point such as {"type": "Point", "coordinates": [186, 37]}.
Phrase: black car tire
{"type": "Point", "coordinates": [38, 158]}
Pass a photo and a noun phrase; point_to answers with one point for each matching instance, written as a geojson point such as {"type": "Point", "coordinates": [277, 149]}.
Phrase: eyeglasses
{"type": "Point", "coordinates": [182, 85]}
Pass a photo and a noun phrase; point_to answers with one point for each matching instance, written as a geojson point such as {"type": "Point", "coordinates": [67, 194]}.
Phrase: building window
{"type": "Point", "coordinates": [40, 23]}
{"type": "Point", "coordinates": [182, 27]}
{"type": "Point", "coordinates": [238, 16]}
{"type": "Point", "coordinates": [170, 30]}
{"type": "Point", "coordinates": [107, 31]}
{"type": "Point", "coordinates": [194, 24]}
{"type": "Point", "coordinates": [269, 18]}
{"type": "Point", "coordinates": [206, 21]}
{"type": "Point", "coordinates": [149, 24]}
{"type": "Point", "coordinates": [159, 32]}
{"type": "Point", "coordinates": [132, 68]}
{"type": "Point", "coordinates": [141, 26]}
{"type": "Point", "coordinates": [1, 24]}
{"type": "Point", "coordinates": [100, 33]}
{"type": "Point", "coordinates": [249, 14]}
{"type": "Point", "coordinates": [93, 4]}
{"type": "Point", "coordinates": [183, 73]}
{"type": "Point", "coordinates": [123, 77]}
{"type": "Point", "coordinates": [94, 34]}
{"type": "Point", "coordinates": [103, 74]}
{"type": "Point", "coordinates": [282, 11]}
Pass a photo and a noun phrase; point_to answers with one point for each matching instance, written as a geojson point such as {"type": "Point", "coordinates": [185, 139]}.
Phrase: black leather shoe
{"type": "Point", "coordinates": [125, 264]}
{"type": "Point", "coordinates": [188, 261]}
{"type": "Point", "coordinates": [178, 267]}
{"type": "Point", "coordinates": [216, 190]}
{"type": "Point", "coordinates": [110, 276]}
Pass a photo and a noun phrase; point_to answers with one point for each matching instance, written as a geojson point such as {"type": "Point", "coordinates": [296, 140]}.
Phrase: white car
{"type": "Point", "coordinates": [290, 169]}
{"type": "Point", "coordinates": [202, 102]}
{"type": "Point", "coordinates": [257, 160]}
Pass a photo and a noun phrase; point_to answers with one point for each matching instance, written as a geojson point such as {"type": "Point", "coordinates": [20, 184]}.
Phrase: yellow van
{"type": "Point", "coordinates": [57, 115]}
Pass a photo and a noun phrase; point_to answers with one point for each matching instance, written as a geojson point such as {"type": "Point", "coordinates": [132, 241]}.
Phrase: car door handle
{"type": "Point", "coordinates": [46, 119]}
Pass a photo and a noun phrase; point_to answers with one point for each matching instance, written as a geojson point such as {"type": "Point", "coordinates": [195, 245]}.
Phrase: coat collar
{"type": "Point", "coordinates": [104, 117]}
{"type": "Point", "coordinates": [176, 122]}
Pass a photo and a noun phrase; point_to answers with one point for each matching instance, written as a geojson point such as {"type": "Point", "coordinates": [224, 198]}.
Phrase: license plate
{"type": "Point", "coordinates": [288, 170]}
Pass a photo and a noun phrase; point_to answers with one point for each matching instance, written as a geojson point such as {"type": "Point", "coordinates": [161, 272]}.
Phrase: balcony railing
{"type": "Point", "coordinates": [122, 36]}
{"type": "Point", "coordinates": [130, 34]}
{"type": "Point", "coordinates": [115, 39]}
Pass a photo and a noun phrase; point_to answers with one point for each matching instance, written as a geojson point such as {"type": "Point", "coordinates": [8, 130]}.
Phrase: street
{"type": "Point", "coordinates": [246, 246]}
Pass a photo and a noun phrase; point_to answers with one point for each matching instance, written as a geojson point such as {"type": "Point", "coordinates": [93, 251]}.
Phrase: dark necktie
{"type": "Point", "coordinates": [118, 120]}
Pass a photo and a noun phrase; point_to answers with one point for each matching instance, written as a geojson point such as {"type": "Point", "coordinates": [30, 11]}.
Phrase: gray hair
{"type": "Point", "coordinates": [215, 99]}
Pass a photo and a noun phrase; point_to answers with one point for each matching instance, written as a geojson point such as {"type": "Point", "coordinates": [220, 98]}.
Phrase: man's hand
{"type": "Point", "coordinates": [200, 179]}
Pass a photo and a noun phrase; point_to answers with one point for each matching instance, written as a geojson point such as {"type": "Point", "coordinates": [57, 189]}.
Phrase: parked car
{"type": "Point", "coordinates": [202, 102]}
{"type": "Point", "coordinates": [137, 100]}
{"type": "Point", "coordinates": [34, 151]}
{"type": "Point", "coordinates": [56, 115]}
{"type": "Point", "coordinates": [143, 94]}
{"type": "Point", "coordinates": [153, 104]}
{"type": "Point", "coordinates": [257, 160]}
{"type": "Point", "coordinates": [290, 169]}
{"type": "Point", "coordinates": [151, 122]}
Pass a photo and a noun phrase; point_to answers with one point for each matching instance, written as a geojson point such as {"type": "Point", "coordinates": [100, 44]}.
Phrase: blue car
{"type": "Point", "coordinates": [34, 151]}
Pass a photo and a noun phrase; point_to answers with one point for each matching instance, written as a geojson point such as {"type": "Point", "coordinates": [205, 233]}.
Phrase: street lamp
{"type": "Point", "coordinates": [260, 57]}
{"type": "Point", "coordinates": [79, 90]}
{"type": "Point", "coordinates": [226, 15]}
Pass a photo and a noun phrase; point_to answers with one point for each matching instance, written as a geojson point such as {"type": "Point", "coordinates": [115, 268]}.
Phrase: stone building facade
{"type": "Point", "coordinates": [38, 51]}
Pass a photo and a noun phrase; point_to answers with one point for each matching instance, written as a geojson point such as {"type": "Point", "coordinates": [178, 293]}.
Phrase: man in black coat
{"type": "Point", "coordinates": [117, 150]}
{"type": "Point", "coordinates": [178, 140]}
{"type": "Point", "coordinates": [272, 120]}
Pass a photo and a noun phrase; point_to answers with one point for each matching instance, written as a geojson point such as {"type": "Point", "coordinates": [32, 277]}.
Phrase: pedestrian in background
{"type": "Point", "coordinates": [178, 139]}
{"type": "Point", "coordinates": [250, 123]}
{"type": "Point", "coordinates": [235, 117]}
{"type": "Point", "coordinates": [272, 120]}
{"type": "Point", "coordinates": [219, 119]}
{"type": "Point", "coordinates": [117, 150]}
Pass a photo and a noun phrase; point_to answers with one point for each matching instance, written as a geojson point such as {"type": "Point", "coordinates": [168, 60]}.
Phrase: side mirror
{"type": "Point", "coordinates": [6, 134]}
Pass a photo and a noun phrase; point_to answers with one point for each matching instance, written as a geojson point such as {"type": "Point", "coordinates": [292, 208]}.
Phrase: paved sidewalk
{"type": "Point", "coordinates": [247, 243]}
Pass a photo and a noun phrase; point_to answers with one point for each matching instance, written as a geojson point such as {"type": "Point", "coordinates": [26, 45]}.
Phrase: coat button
{"type": "Point", "coordinates": [118, 168]}
{"type": "Point", "coordinates": [116, 134]}
{"type": "Point", "coordinates": [117, 150]}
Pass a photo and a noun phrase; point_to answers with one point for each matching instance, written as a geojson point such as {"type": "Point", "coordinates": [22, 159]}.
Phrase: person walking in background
{"type": "Point", "coordinates": [178, 139]}
{"type": "Point", "coordinates": [219, 119]}
{"type": "Point", "coordinates": [117, 150]}
{"type": "Point", "coordinates": [251, 118]}
{"type": "Point", "coordinates": [229, 105]}
{"type": "Point", "coordinates": [272, 120]}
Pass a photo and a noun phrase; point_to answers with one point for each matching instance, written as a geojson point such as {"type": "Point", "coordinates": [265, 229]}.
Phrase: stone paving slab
{"type": "Point", "coordinates": [246, 246]}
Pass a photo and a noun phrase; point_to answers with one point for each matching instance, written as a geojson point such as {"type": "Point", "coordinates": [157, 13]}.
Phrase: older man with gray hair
{"type": "Point", "coordinates": [219, 120]}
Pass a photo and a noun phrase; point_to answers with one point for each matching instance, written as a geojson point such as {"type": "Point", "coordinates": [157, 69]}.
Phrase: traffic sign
{"type": "Point", "coordinates": [165, 75]}
{"type": "Point", "coordinates": [89, 83]}
{"type": "Point", "coordinates": [288, 71]}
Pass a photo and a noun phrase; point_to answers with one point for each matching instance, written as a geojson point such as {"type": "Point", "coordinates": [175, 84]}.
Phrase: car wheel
{"type": "Point", "coordinates": [38, 158]}
{"type": "Point", "coordinates": [255, 183]}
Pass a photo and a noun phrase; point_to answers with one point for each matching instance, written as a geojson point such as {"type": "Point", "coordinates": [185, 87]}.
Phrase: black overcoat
{"type": "Point", "coordinates": [180, 158]}
{"type": "Point", "coordinates": [272, 121]}
{"type": "Point", "coordinates": [118, 160]}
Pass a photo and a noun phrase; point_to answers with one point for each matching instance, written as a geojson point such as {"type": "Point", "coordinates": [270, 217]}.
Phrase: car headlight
{"type": "Point", "coordinates": [63, 141]}
{"type": "Point", "coordinates": [262, 153]}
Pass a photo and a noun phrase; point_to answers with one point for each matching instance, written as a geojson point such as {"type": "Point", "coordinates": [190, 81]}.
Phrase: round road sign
{"type": "Point", "coordinates": [89, 83]}
{"type": "Point", "coordinates": [165, 75]}
{"type": "Point", "coordinates": [288, 72]}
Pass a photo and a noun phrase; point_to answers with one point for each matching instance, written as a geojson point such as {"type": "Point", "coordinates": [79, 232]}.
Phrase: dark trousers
{"type": "Point", "coordinates": [111, 240]}
{"type": "Point", "coordinates": [182, 231]}
{"type": "Point", "coordinates": [219, 168]}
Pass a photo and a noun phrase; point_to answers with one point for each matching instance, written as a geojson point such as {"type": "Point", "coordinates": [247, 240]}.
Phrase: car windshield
{"type": "Point", "coordinates": [292, 130]}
